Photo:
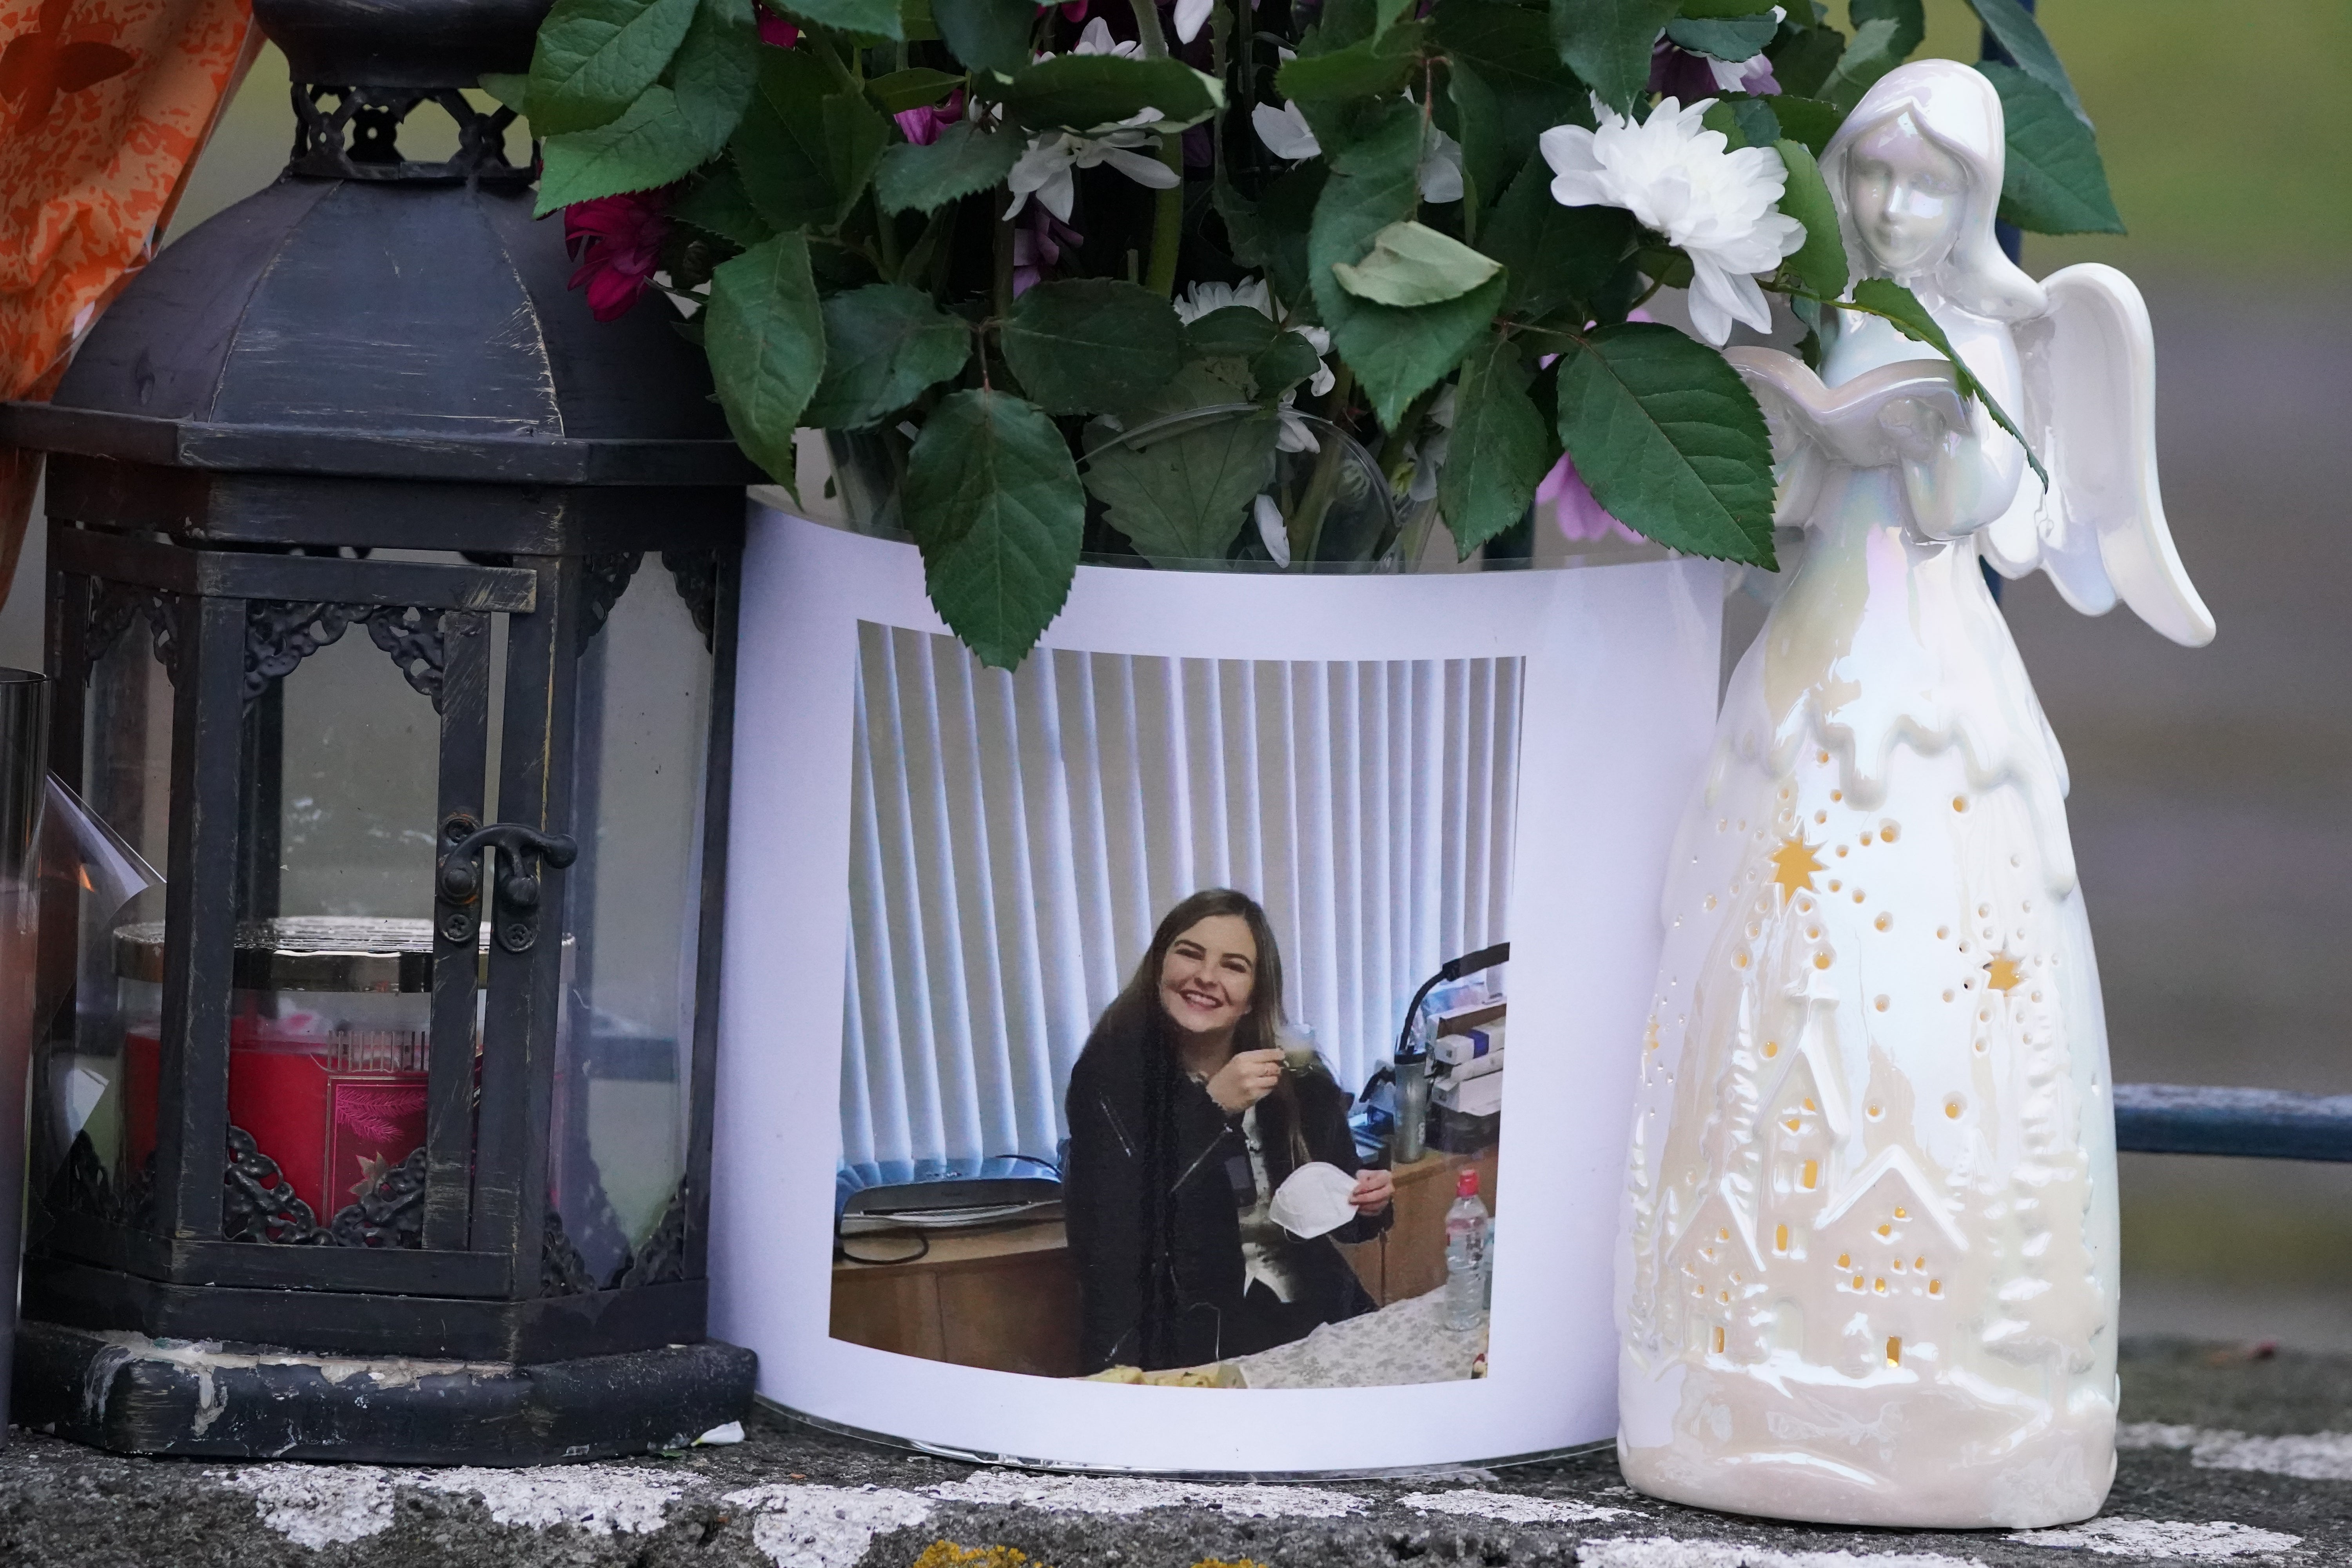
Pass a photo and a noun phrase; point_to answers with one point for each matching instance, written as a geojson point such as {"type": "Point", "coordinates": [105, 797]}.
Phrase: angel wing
{"type": "Point", "coordinates": [2090, 414]}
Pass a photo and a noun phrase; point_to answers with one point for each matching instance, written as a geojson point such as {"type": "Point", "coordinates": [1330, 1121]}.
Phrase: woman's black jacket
{"type": "Point", "coordinates": [1155, 1182]}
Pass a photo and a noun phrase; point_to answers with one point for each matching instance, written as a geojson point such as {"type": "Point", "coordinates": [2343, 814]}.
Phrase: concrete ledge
{"type": "Point", "coordinates": [2228, 1457]}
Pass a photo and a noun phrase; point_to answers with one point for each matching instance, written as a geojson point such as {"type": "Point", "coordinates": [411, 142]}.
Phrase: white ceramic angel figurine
{"type": "Point", "coordinates": [1867, 1270]}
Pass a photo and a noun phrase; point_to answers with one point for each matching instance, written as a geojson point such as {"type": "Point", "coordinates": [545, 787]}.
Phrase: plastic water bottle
{"type": "Point", "coordinates": [1465, 1255]}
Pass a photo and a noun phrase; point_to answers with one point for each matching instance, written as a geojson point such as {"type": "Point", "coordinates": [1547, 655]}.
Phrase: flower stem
{"type": "Point", "coordinates": [1003, 292]}
{"type": "Point", "coordinates": [1168, 210]}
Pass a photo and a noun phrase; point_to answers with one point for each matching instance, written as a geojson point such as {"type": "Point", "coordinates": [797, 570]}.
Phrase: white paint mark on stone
{"type": "Point", "coordinates": [318, 1505]}
{"type": "Point", "coordinates": [1124, 1495]}
{"type": "Point", "coordinates": [1664, 1552]}
{"type": "Point", "coordinates": [2308, 1457]}
{"type": "Point", "coordinates": [1509, 1509]}
{"type": "Point", "coordinates": [2164, 1539]}
{"type": "Point", "coordinates": [601, 1499]}
{"type": "Point", "coordinates": [824, 1527]}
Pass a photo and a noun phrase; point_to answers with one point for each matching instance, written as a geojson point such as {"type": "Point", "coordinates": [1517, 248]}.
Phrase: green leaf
{"type": "Point", "coordinates": [716, 69]}
{"type": "Point", "coordinates": [915, 17]}
{"type": "Point", "coordinates": [1871, 55]}
{"type": "Point", "coordinates": [650, 145]}
{"type": "Point", "coordinates": [1363, 69]}
{"type": "Point", "coordinates": [1558, 259]}
{"type": "Point", "coordinates": [918, 87]}
{"type": "Point", "coordinates": [1890, 302]}
{"type": "Point", "coordinates": [966, 160]}
{"type": "Point", "coordinates": [2013, 27]}
{"type": "Point", "coordinates": [1711, 9]}
{"type": "Point", "coordinates": [1486, 154]}
{"type": "Point", "coordinates": [1804, 60]}
{"type": "Point", "coordinates": [594, 58]}
{"type": "Point", "coordinates": [765, 336]}
{"type": "Point", "coordinates": [874, 18]}
{"type": "Point", "coordinates": [1084, 91]}
{"type": "Point", "coordinates": [1909, 16]}
{"type": "Point", "coordinates": [884, 344]}
{"type": "Point", "coordinates": [1396, 354]}
{"type": "Point", "coordinates": [1806, 120]}
{"type": "Point", "coordinates": [1743, 122]}
{"type": "Point", "coordinates": [1270, 234]}
{"type": "Point", "coordinates": [856, 134]}
{"type": "Point", "coordinates": [1509, 88]}
{"type": "Point", "coordinates": [2054, 182]}
{"type": "Point", "coordinates": [1669, 440]}
{"type": "Point", "coordinates": [994, 502]}
{"type": "Point", "coordinates": [1284, 364]}
{"type": "Point", "coordinates": [1233, 331]}
{"type": "Point", "coordinates": [718, 205]}
{"type": "Point", "coordinates": [510, 89]}
{"type": "Point", "coordinates": [1091, 345]}
{"type": "Point", "coordinates": [1734, 38]}
{"type": "Point", "coordinates": [987, 35]}
{"type": "Point", "coordinates": [1411, 264]}
{"type": "Point", "coordinates": [779, 147]}
{"type": "Point", "coordinates": [1186, 495]}
{"type": "Point", "coordinates": [1608, 43]}
{"type": "Point", "coordinates": [1499, 451]}
{"type": "Point", "coordinates": [1820, 263]}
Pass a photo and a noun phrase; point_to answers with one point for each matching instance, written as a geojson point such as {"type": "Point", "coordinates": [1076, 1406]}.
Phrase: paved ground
{"type": "Point", "coordinates": [2228, 1457]}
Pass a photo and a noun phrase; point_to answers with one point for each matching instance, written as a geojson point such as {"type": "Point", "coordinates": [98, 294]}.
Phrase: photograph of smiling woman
{"type": "Point", "coordinates": [1184, 1121]}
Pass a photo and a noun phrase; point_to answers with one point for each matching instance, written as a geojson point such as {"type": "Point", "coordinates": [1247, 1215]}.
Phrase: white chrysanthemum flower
{"type": "Point", "coordinates": [1199, 298]}
{"type": "Point", "coordinates": [1048, 170]}
{"type": "Point", "coordinates": [1717, 206]}
{"type": "Point", "coordinates": [1190, 15]}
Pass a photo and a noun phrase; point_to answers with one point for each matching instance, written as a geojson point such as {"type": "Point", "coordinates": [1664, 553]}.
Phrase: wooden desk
{"type": "Point", "coordinates": [1409, 1260]}
{"type": "Point", "coordinates": [1006, 1298]}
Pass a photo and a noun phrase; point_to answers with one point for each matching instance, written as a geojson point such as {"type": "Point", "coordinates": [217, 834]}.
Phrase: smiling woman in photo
{"type": "Point", "coordinates": [1184, 1122]}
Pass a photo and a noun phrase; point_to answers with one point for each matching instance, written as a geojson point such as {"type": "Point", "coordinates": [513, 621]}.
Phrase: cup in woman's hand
{"type": "Point", "coordinates": [1246, 1079]}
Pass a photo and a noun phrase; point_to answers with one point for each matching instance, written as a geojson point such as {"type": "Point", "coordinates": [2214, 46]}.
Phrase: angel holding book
{"type": "Point", "coordinates": [1868, 1267]}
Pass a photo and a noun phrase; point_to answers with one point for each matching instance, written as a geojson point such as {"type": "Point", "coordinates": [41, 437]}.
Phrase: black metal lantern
{"type": "Point", "coordinates": [391, 611]}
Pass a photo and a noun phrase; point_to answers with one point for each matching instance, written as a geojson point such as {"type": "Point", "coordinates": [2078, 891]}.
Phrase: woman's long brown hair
{"type": "Point", "coordinates": [1260, 1028]}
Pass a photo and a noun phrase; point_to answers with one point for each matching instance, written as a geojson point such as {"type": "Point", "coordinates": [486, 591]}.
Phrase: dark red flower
{"type": "Point", "coordinates": [774, 29]}
{"type": "Point", "coordinates": [617, 242]}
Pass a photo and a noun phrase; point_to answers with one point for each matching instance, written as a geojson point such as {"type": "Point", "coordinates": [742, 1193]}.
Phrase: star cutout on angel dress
{"type": "Point", "coordinates": [1793, 865]}
{"type": "Point", "coordinates": [2001, 973]}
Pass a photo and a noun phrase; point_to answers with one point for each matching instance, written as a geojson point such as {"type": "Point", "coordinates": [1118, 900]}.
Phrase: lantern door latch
{"type": "Point", "coordinates": [458, 880]}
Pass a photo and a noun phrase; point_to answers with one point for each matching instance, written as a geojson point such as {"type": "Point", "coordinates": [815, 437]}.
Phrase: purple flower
{"type": "Point", "coordinates": [1687, 77]}
{"type": "Point", "coordinates": [1579, 515]}
{"type": "Point", "coordinates": [617, 242]}
{"type": "Point", "coordinates": [1037, 245]}
{"type": "Point", "coordinates": [922, 123]}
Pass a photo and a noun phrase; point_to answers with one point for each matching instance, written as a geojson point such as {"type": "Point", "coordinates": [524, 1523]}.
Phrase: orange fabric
{"type": "Point", "coordinates": [104, 105]}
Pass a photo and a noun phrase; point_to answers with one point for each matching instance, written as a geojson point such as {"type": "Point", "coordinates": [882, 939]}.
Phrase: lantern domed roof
{"type": "Point", "coordinates": [418, 328]}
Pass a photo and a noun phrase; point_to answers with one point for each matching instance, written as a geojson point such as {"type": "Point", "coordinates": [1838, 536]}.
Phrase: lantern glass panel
{"type": "Point", "coordinates": [126, 785]}
{"type": "Point", "coordinates": [633, 917]}
{"type": "Point", "coordinates": [356, 753]}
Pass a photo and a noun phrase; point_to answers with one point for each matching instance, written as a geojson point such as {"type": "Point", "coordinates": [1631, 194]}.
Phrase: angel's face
{"type": "Point", "coordinates": [1904, 195]}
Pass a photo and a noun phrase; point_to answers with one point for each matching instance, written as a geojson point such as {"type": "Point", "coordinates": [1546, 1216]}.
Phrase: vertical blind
{"type": "Point", "coordinates": [1016, 837]}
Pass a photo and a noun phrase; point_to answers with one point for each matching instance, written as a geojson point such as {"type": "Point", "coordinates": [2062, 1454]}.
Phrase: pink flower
{"type": "Point", "coordinates": [1074, 11]}
{"type": "Point", "coordinates": [617, 242]}
{"type": "Point", "coordinates": [922, 123]}
{"type": "Point", "coordinates": [1037, 245]}
{"type": "Point", "coordinates": [774, 29]}
{"type": "Point", "coordinates": [1579, 515]}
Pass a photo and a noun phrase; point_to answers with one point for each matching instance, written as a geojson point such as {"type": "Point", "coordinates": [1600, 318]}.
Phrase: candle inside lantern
{"type": "Point", "coordinates": [327, 1048]}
